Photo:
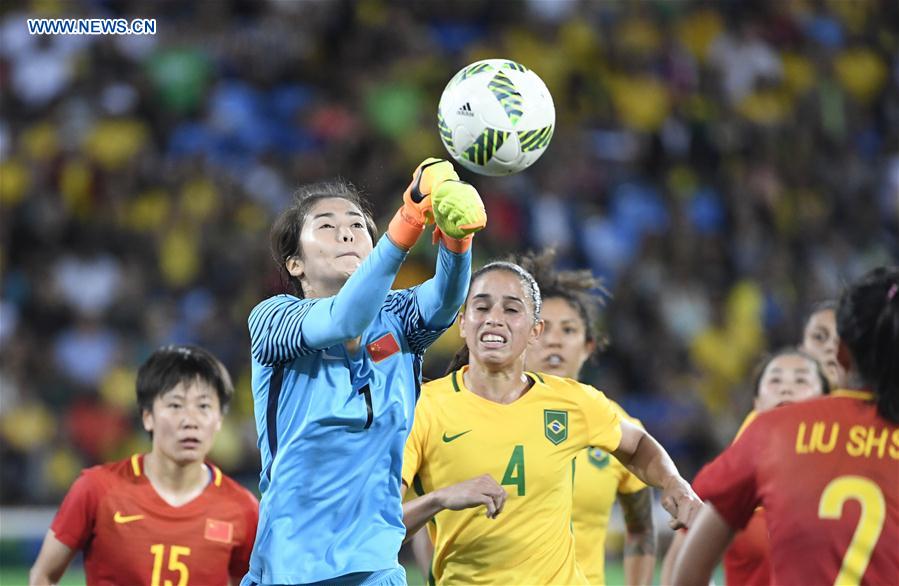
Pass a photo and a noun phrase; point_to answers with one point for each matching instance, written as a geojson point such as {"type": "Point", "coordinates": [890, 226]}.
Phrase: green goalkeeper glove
{"type": "Point", "coordinates": [458, 212]}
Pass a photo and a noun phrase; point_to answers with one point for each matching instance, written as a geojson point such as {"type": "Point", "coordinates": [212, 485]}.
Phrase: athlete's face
{"type": "Point", "coordinates": [184, 421]}
{"type": "Point", "coordinates": [334, 241]}
{"type": "Point", "coordinates": [498, 321]}
{"type": "Point", "coordinates": [563, 347]}
{"type": "Point", "coordinates": [788, 378]}
{"type": "Point", "coordinates": [820, 339]}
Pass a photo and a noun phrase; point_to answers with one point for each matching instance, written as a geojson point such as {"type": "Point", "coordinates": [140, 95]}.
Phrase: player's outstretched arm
{"type": "Point", "coordinates": [677, 544]}
{"type": "Point", "coordinates": [422, 551]}
{"type": "Point", "coordinates": [481, 490]}
{"type": "Point", "coordinates": [440, 298]}
{"type": "Point", "coordinates": [51, 562]}
{"type": "Point", "coordinates": [706, 542]}
{"type": "Point", "coordinates": [284, 327]}
{"type": "Point", "coordinates": [649, 461]}
{"type": "Point", "coordinates": [346, 315]}
{"type": "Point", "coordinates": [640, 539]}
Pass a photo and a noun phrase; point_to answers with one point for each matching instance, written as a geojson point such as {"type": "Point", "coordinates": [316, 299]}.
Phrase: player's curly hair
{"type": "Point", "coordinates": [585, 293]}
{"type": "Point", "coordinates": [868, 324]}
{"type": "Point", "coordinates": [285, 233]}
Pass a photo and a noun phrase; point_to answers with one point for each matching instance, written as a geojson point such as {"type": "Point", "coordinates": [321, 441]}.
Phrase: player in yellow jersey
{"type": "Point", "coordinates": [491, 434]}
{"type": "Point", "coordinates": [571, 300]}
{"type": "Point", "coordinates": [570, 303]}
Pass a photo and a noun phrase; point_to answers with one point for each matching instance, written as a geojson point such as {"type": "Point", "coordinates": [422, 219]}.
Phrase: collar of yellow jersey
{"type": "Point", "coordinates": [459, 382]}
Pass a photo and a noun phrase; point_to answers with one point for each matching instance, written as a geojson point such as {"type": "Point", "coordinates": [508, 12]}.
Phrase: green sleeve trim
{"type": "Point", "coordinates": [417, 486]}
{"type": "Point", "coordinates": [537, 376]}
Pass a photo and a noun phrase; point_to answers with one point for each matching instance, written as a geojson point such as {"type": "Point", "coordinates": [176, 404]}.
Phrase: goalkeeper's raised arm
{"type": "Point", "coordinates": [337, 370]}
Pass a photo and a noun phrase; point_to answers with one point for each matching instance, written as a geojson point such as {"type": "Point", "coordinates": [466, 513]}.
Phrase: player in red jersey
{"type": "Point", "coordinates": [166, 517]}
{"type": "Point", "coordinates": [826, 471]}
{"type": "Point", "coordinates": [788, 376]}
{"type": "Point", "coordinates": [746, 562]}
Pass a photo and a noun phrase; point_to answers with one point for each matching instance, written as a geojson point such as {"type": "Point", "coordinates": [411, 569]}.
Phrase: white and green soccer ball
{"type": "Point", "coordinates": [496, 117]}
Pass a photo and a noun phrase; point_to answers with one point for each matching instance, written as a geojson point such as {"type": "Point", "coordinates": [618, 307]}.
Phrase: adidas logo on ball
{"type": "Point", "coordinates": [465, 110]}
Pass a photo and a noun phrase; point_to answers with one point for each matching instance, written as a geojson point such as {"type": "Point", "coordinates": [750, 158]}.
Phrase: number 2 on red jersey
{"type": "Point", "coordinates": [870, 522]}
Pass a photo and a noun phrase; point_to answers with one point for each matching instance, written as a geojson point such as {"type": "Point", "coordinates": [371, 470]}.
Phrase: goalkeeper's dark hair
{"type": "Point", "coordinates": [585, 293]}
{"type": "Point", "coordinates": [528, 282]}
{"type": "Point", "coordinates": [170, 365]}
{"type": "Point", "coordinates": [285, 233]}
{"type": "Point", "coordinates": [868, 325]}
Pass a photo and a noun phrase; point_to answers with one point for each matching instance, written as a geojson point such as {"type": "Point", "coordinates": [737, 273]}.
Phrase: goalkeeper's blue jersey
{"type": "Point", "coordinates": [333, 422]}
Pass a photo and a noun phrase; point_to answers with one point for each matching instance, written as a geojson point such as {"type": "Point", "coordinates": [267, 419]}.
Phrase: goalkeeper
{"type": "Point", "coordinates": [337, 371]}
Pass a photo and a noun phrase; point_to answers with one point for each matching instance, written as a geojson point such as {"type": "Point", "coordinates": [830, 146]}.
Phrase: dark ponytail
{"type": "Point", "coordinates": [868, 323]}
{"type": "Point", "coordinates": [460, 359]}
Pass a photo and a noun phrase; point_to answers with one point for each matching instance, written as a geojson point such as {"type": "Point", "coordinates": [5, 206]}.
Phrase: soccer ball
{"type": "Point", "coordinates": [496, 117]}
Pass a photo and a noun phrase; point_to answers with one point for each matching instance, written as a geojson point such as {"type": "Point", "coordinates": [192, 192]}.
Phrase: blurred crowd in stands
{"type": "Point", "coordinates": [722, 165]}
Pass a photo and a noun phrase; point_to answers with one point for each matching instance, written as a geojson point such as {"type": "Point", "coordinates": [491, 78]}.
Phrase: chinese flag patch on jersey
{"type": "Point", "coordinates": [219, 531]}
{"type": "Point", "coordinates": [383, 347]}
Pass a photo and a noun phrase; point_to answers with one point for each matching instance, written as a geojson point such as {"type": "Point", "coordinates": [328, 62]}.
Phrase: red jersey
{"type": "Point", "coordinates": [826, 472]}
{"type": "Point", "coordinates": [131, 536]}
{"type": "Point", "coordinates": [746, 561]}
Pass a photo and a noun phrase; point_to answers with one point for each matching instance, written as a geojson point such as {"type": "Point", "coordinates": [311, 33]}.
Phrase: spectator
{"type": "Point", "coordinates": [701, 161]}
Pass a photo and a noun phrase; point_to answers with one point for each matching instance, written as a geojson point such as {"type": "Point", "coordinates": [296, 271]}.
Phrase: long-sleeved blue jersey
{"type": "Point", "coordinates": [332, 423]}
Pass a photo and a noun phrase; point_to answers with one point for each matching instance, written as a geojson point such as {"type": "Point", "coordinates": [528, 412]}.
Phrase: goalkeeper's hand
{"type": "Point", "coordinates": [458, 212]}
{"type": "Point", "coordinates": [409, 221]}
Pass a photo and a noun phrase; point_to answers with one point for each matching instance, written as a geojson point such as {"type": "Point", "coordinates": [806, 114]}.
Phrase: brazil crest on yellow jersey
{"type": "Point", "coordinates": [529, 447]}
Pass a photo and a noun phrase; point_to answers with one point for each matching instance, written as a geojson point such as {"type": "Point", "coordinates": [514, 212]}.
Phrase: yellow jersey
{"type": "Point", "coordinates": [599, 477]}
{"type": "Point", "coordinates": [750, 417]}
{"type": "Point", "coordinates": [528, 446]}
